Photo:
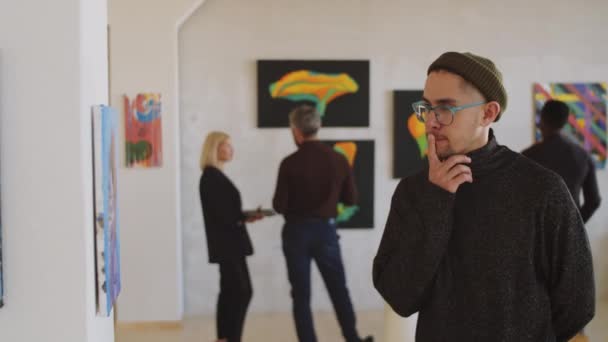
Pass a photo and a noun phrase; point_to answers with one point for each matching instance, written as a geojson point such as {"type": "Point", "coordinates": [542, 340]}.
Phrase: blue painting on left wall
{"type": "Point", "coordinates": [105, 192]}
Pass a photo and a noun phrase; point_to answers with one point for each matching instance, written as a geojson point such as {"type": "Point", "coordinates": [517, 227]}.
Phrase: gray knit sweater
{"type": "Point", "coordinates": [506, 258]}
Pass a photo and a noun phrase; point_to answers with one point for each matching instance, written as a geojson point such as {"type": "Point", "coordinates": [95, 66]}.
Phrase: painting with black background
{"type": "Point", "coordinates": [409, 135]}
{"type": "Point", "coordinates": [338, 89]}
{"type": "Point", "coordinates": [360, 156]}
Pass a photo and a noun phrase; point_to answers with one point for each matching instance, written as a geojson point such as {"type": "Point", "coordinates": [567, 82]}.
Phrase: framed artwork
{"type": "Point", "coordinates": [338, 89]}
{"type": "Point", "coordinates": [409, 135]}
{"type": "Point", "coordinates": [360, 157]}
{"type": "Point", "coordinates": [105, 192]}
{"type": "Point", "coordinates": [587, 120]}
{"type": "Point", "coordinates": [143, 130]}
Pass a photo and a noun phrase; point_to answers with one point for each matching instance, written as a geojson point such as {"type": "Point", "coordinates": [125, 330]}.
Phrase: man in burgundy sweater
{"type": "Point", "coordinates": [310, 184]}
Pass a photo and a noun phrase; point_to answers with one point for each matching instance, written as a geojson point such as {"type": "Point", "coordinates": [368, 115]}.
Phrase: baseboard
{"type": "Point", "coordinates": [145, 326]}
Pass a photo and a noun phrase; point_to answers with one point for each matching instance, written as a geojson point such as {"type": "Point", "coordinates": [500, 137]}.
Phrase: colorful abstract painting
{"type": "Point", "coordinates": [143, 131]}
{"type": "Point", "coordinates": [587, 121]}
{"type": "Point", "coordinates": [409, 135]}
{"type": "Point", "coordinates": [360, 157]}
{"type": "Point", "coordinates": [107, 243]}
{"type": "Point", "coordinates": [338, 89]}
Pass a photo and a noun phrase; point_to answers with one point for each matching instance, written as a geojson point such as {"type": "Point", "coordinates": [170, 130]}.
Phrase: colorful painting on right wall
{"type": "Point", "coordinates": [587, 121]}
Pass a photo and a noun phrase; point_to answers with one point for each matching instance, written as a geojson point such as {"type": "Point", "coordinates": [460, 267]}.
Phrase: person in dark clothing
{"type": "Point", "coordinates": [562, 155]}
{"type": "Point", "coordinates": [228, 242]}
{"type": "Point", "coordinates": [484, 244]}
{"type": "Point", "coordinates": [310, 183]}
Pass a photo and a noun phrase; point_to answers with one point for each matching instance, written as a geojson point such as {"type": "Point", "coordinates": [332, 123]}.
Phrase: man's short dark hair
{"type": "Point", "coordinates": [305, 118]}
{"type": "Point", "coordinates": [554, 114]}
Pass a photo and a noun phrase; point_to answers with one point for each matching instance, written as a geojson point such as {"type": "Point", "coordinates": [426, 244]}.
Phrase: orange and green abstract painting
{"type": "Point", "coordinates": [409, 135]}
{"type": "Point", "coordinates": [143, 130]}
{"type": "Point", "coordinates": [349, 150]}
{"type": "Point", "coordinates": [312, 86]}
{"type": "Point", "coordinates": [360, 157]}
{"type": "Point", "coordinates": [587, 121]}
{"type": "Point", "coordinates": [339, 90]}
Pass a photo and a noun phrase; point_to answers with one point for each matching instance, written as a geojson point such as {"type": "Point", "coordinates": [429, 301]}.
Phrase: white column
{"type": "Point", "coordinates": [144, 51]}
{"type": "Point", "coordinates": [53, 68]}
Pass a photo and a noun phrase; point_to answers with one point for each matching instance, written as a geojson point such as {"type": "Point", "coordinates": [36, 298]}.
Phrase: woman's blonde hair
{"type": "Point", "coordinates": [210, 147]}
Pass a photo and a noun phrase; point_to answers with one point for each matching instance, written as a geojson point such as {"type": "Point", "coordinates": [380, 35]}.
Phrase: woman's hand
{"type": "Point", "coordinates": [255, 217]}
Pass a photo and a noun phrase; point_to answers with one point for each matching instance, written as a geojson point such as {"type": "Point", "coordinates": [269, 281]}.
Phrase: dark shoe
{"type": "Point", "coordinates": [368, 339]}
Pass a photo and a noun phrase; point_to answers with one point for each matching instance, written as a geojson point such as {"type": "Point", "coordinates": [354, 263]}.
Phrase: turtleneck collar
{"type": "Point", "coordinates": [488, 158]}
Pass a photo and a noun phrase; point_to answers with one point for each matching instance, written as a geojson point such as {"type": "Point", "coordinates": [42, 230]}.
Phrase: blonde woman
{"type": "Point", "coordinates": [227, 239]}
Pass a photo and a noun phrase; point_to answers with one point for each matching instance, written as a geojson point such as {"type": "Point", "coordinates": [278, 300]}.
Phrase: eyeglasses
{"type": "Point", "coordinates": [443, 113]}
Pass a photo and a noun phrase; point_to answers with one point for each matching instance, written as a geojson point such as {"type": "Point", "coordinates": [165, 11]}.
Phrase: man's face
{"type": "Point", "coordinates": [466, 131]}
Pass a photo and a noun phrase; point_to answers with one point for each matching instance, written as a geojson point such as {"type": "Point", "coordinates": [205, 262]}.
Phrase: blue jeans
{"type": "Point", "coordinates": [316, 240]}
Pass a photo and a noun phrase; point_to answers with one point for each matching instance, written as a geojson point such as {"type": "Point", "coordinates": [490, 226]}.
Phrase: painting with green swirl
{"type": "Point", "coordinates": [338, 89]}
{"type": "Point", "coordinates": [409, 135]}
{"type": "Point", "coordinates": [360, 157]}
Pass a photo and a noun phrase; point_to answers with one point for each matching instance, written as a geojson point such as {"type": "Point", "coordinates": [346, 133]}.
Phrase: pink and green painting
{"type": "Point", "coordinates": [143, 130]}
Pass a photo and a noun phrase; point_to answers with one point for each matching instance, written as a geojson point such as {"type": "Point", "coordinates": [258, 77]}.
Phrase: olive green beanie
{"type": "Point", "coordinates": [479, 71]}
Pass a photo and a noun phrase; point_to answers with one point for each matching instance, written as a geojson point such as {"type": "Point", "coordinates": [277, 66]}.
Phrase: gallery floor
{"type": "Point", "coordinates": [279, 328]}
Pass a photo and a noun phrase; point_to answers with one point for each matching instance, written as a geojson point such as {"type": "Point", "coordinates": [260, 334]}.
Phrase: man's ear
{"type": "Point", "coordinates": [296, 134]}
{"type": "Point", "coordinates": [491, 112]}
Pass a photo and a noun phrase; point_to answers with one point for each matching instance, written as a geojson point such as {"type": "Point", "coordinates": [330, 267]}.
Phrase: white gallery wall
{"type": "Point", "coordinates": [143, 58]}
{"type": "Point", "coordinates": [540, 41]}
{"type": "Point", "coordinates": [53, 68]}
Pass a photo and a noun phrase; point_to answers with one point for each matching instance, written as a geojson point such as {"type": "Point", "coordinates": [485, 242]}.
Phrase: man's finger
{"type": "Point", "coordinates": [457, 159]}
{"type": "Point", "coordinates": [463, 178]}
{"type": "Point", "coordinates": [432, 152]}
{"type": "Point", "coordinates": [458, 170]}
